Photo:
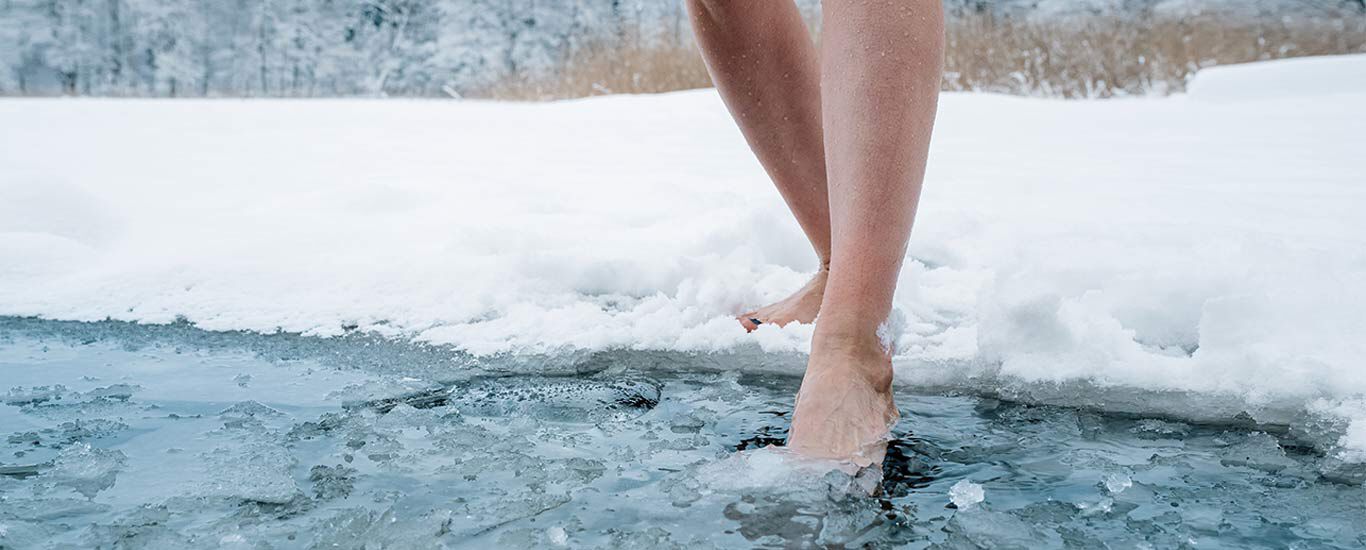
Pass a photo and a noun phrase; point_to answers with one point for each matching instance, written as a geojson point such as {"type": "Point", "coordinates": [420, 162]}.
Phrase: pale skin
{"type": "Point", "coordinates": [843, 131]}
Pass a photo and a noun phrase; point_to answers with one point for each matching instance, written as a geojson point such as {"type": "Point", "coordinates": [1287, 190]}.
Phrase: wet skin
{"type": "Point", "coordinates": [843, 130]}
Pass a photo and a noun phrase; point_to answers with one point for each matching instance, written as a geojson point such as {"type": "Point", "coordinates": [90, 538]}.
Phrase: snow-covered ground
{"type": "Point", "coordinates": [1196, 255]}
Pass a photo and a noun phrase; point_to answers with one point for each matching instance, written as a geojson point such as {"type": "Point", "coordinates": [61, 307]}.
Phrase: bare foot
{"type": "Point", "coordinates": [844, 409]}
{"type": "Point", "coordinates": [802, 306]}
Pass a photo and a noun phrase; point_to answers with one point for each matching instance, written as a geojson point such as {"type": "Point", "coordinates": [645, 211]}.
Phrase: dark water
{"type": "Point", "coordinates": [168, 437]}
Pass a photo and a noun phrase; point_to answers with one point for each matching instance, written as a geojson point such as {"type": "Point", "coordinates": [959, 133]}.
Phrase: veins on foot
{"type": "Point", "coordinates": [844, 410]}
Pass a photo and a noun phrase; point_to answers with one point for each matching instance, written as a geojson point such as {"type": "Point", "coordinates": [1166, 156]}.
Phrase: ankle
{"type": "Point", "coordinates": [820, 278]}
{"type": "Point", "coordinates": [858, 351]}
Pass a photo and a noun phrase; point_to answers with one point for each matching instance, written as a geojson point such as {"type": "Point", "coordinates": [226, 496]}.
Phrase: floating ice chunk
{"type": "Point", "coordinates": [558, 399]}
{"type": "Point", "coordinates": [234, 540]}
{"type": "Point", "coordinates": [404, 419]}
{"type": "Point", "coordinates": [250, 415]}
{"type": "Point", "coordinates": [684, 490]}
{"type": "Point", "coordinates": [117, 392]}
{"type": "Point", "coordinates": [21, 534]}
{"type": "Point", "coordinates": [1159, 429]}
{"type": "Point", "coordinates": [66, 433]}
{"type": "Point", "coordinates": [1116, 483]}
{"type": "Point", "coordinates": [85, 469]}
{"type": "Point", "coordinates": [983, 528]}
{"type": "Point", "coordinates": [966, 494]}
{"type": "Point", "coordinates": [390, 528]}
{"type": "Point", "coordinates": [22, 471]}
{"type": "Point", "coordinates": [249, 409]}
{"type": "Point", "coordinates": [778, 469]}
{"type": "Point", "coordinates": [1103, 506]}
{"type": "Point", "coordinates": [686, 424]}
{"type": "Point", "coordinates": [19, 396]}
{"type": "Point", "coordinates": [332, 481]}
{"type": "Point", "coordinates": [764, 467]}
{"type": "Point", "coordinates": [1259, 451]}
{"type": "Point", "coordinates": [255, 471]}
{"type": "Point", "coordinates": [557, 536]}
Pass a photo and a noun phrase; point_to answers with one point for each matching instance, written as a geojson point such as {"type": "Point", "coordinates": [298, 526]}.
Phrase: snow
{"type": "Point", "coordinates": [1285, 78]}
{"type": "Point", "coordinates": [1195, 255]}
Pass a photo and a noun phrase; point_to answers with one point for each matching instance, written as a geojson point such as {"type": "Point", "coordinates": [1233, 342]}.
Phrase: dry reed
{"type": "Point", "coordinates": [1077, 57]}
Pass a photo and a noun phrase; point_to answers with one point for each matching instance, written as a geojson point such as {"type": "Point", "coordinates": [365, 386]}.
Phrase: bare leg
{"type": "Point", "coordinates": [765, 65]}
{"type": "Point", "coordinates": [881, 70]}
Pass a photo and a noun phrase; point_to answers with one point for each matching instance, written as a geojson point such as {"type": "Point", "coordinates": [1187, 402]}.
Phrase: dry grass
{"type": "Point", "coordinates": [623, 67]}
{"type": "Point", "coordinates": [1077, 57]}
{"type": "Point", "coordinates": [1105, 57]}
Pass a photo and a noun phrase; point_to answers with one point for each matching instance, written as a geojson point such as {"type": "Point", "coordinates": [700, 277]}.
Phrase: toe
{"type": "Point", "coordinates": [750, 322]}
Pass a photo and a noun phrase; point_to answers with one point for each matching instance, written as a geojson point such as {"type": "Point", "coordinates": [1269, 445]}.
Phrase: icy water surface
{"type": "Point", "coordinates": [120, 436]}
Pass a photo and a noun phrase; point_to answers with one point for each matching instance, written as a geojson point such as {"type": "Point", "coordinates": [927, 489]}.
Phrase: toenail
{"type": "Point", "coordinates": [755, 321]}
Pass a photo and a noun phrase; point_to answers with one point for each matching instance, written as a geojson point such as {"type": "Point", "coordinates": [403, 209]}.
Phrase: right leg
{"type": "Point", "coordinates": [765, 66]}
{"type": "Point", "coordinates": [884, 62]}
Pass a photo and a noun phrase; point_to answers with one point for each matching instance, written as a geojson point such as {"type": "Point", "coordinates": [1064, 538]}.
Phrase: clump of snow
{"type": "Point", "coordinates": [1353, 442]}
{"type": "Point", "coordinates": [891, 329]}
{"type": "Point", "coordinates": [966, 494]}
{"type": "Point", "coordinates": [1195, 256]}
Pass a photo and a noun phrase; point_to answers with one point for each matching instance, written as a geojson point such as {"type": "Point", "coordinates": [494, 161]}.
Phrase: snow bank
{"type": "Point", "coordinates": [1284, 78]}
{"type": "Point", "coordinates": [1187, 246]}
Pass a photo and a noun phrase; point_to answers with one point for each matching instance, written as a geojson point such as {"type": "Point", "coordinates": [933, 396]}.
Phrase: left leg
{"type": "Point", "coordinates": [881, 69]}
{"type": "Point", "coordinates": [764, 64]}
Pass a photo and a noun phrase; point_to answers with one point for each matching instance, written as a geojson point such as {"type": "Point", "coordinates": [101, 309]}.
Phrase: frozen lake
{"type": "Point", "coordinates": [170, 436]}
{"type": "Point", "coordinates": [358, 323]}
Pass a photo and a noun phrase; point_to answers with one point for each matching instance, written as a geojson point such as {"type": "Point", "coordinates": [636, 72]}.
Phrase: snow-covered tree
{"type": "Point", "coordinates": [373, 47]}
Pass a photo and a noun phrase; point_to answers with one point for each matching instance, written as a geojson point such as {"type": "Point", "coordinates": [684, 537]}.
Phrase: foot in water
{"type": "Point", "coordinates": [844, 409]}
{"type": "Point", "coordinates": [801, 307]}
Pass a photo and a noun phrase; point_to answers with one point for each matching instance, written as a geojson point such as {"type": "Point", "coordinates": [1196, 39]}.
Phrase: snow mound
{"type": "Point", "coordinates": [1303, 77]}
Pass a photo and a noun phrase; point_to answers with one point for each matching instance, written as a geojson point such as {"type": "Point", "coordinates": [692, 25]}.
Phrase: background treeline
{"type": "Point", "coordinates": [533, 49]}
{"type": "Point", "coordinates": [301, 47]}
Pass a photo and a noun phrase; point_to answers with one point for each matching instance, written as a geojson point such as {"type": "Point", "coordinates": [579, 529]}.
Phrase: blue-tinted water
{"type": "Point", "coordinates": [123, 436]}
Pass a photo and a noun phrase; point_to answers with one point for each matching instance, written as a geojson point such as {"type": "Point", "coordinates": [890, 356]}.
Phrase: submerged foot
{"type": "Point", "coordinates": [844, 410]}
{"type": "Point", "coordinates": [801, 307]}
